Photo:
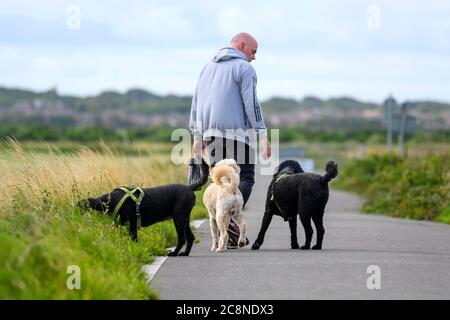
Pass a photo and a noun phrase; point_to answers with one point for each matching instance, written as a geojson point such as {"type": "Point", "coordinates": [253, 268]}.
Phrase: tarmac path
{"type": "Point", "coordinates": [406, 259]}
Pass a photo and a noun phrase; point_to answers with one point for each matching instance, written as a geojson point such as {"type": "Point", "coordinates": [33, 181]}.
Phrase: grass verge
{"type": "Point", "coordinates": [43, 234]}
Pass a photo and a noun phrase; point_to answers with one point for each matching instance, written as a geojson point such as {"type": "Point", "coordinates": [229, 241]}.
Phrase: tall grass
{"type": "Point", "coordinates": [42, 232]}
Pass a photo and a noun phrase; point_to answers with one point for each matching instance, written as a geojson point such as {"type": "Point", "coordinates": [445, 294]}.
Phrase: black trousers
{"type": "Point", "coordinates": [221, 148]}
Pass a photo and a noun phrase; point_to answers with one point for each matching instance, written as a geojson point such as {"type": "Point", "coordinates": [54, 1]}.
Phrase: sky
{"type": "Point", "coordinates": [357, 48]}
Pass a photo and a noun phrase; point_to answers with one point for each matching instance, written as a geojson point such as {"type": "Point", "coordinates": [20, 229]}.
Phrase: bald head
{"type": "Point", "coordinates": [246, 43]}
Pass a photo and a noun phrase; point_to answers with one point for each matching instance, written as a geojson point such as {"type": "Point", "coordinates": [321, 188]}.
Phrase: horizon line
{"type": "Point", "coordinates": [131, 88]}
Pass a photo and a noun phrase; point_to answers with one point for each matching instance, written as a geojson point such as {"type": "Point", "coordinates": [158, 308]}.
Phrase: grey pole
{"type": "Point", "coordinates": [390, 107]}
{"type": "Point", "coordinates": [403, 112]}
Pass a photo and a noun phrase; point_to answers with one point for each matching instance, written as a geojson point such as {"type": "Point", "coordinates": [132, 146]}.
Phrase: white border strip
{"type": "Point", "coordinates": [150, 270]}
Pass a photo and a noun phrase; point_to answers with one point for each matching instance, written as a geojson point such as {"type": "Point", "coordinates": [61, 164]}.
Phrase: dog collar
{"type": "Point", "coordinates": [284, 175]}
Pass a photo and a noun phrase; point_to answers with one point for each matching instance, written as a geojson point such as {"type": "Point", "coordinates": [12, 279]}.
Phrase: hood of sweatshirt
{"type": "Point", "coordinates": [228, 53]}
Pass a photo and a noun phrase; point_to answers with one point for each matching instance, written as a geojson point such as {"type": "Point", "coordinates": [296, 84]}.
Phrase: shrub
{"type": "Point", "coordinates": [410, 188]}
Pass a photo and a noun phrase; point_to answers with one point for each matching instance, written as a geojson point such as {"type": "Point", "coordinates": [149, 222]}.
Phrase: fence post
{"type": "Point", "coordinates": [401, 134]}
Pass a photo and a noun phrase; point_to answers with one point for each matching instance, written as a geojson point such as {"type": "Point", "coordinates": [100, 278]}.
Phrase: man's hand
{"type": "Point", "coordinates": [198, 147]}
{"type": "Point", "coordinates": [267, 148]}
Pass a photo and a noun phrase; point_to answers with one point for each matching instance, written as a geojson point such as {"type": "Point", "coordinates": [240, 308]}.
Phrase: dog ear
{"type": "Point", "coordinates": [299, 168]}
{"type": "Point", "coordinates": [237, 168]}
{"type": "Point", "coordinates": [277, 170]}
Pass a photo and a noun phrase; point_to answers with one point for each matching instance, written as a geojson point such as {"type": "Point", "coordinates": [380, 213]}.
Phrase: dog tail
{"type": "Point", "coordinates": [220, 172]}
{"type": "Point", "coordinates": [204, 172]}
{"type": "Point", "coordinates": [332, 171]}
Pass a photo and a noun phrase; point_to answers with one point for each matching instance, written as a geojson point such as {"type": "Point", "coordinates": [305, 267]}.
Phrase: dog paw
{"type": "Point", "coordinates": [243, 242]}
{"type": "Point", "coordinates": [295, 246]}
{"type": "Point", "coordinates": [213, 248]}
{"type": "Point", "coordinates": [304, 248]}
{"type": "Point", "coordinates": [256, 246]}
{"type": "Point", "coordinates": [183, 254]}
{"type": "Point", "coordinates": [221, 249]}
{"type": "Point", "coordinates": [316, 247]}
{"type": "Point", "coordinates": [172, 254]}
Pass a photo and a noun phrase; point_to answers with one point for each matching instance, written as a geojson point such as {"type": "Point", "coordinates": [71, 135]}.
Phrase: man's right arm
{"type": "Point", "coordinates": [198, 145]}
{"type": "Point", "coordinates": [193, 119]}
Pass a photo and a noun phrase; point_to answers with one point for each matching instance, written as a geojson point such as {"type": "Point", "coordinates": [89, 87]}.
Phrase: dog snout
{"type": "Point", "coordinates": [84, 203]}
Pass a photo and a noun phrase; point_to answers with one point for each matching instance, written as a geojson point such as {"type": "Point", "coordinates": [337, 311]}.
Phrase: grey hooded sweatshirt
{"type": "Point", "coordinates": [225, 98]}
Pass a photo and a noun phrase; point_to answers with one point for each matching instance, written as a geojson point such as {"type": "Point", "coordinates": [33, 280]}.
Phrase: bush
{"type": "Point", "coordinates": [410, 188]}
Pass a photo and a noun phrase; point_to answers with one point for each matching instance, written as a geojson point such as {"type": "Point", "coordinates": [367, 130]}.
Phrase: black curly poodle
{"type": "Point", "coordinates": [292, 192]}
{"type": "Point", "coordinates": [172, 201]}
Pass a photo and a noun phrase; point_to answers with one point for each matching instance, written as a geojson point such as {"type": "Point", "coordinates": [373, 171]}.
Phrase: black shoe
{"type": "Point", "coordinates": [233, 241]}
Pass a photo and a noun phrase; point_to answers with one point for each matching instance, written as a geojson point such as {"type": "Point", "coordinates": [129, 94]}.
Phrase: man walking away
{"type": "Point", "coordinates": [225, 98]}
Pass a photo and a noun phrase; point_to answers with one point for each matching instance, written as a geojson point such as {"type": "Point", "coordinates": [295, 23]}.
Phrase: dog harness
{"type": "Point", "coordinates": [130, 194]}
{"type": "Point", "coordinates": [272, 198]}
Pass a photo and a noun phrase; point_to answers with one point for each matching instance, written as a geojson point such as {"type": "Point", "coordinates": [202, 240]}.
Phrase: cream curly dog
{"type": "Point", "coordinates": [223, 200]}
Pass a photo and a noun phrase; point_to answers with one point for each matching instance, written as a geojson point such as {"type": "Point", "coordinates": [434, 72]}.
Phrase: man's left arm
{"type": "Point", "coordinates": [253, 108]}
{"type": "Point", "coordinates": [251, 103]}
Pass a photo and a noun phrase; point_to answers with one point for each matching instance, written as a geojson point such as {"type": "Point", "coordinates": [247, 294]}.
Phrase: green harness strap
{"type": "Point", "coordinates": [130, 194]}
{"type": "Point", "coordinates": [278, 179]}
{"type": "Point", "coordinates": [284, 175]}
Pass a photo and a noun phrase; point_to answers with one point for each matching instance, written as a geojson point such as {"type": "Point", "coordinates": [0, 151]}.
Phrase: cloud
{"type": "Point", "coordinates": [305, 47]}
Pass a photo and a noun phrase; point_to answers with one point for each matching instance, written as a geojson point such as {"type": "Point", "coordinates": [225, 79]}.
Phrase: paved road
{"type": "Point", "coordinates": [413, 259]}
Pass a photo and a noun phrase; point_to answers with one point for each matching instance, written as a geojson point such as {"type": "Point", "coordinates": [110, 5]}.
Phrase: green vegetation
{"type": "Point", "coordinates": [163, 133]}
{"type": "Point", "coordinates": [37, 246]}
{"type": "Point", "coordinates": [40, 132]}
{"type": "Point", "coordinates": [56, 117]}
{"type": "Point", "coordinates": [415, 188]}
{"type": "Point", "coordinates": [360, 135]}
{"type": "Point", "coordinates": [133, 100]}
{"type": "Point", "coordinates": [302, 134]}
{"type": "Point", "coordinates": [42, 232]}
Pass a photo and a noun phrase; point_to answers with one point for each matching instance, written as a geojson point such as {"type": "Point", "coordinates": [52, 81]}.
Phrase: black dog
{"type": "Point", "coordinates": [172, 201]}
{"type": "Point", "coordinates": [292, 192]}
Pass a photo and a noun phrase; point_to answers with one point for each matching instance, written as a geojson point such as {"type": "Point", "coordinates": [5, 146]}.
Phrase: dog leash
{"type": "Point", "coordinates": [138, 200]}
